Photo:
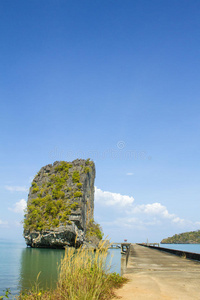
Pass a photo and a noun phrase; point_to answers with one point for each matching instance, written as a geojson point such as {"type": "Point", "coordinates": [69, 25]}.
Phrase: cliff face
{"type": "Point", "coordinates": [60, 204]}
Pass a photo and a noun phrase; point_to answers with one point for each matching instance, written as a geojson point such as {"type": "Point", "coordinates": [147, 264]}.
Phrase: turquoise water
{"type": "Point", "coordinates": [19, 265]}
{"type": "Point", "coordinates": [184, 247]}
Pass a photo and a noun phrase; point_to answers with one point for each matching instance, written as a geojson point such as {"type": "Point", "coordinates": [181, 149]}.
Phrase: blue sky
{"type": "Point", "coordinates": [116, 81]}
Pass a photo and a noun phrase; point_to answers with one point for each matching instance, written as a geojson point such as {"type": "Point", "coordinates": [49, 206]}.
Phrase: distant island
{"type": "Point", "coordinates": [191, 237]}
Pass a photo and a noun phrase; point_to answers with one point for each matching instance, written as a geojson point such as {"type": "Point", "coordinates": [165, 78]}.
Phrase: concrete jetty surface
{"type": "Point", "coordinates": [158, 275]}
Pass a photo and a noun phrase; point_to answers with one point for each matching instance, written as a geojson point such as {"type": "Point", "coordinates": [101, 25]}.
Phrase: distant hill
{"type": "Point", "coordinates": [191, 237]}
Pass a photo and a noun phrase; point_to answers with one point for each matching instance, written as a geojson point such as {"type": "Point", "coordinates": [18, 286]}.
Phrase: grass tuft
{"type": "Point", "coordinates": [82, 276]}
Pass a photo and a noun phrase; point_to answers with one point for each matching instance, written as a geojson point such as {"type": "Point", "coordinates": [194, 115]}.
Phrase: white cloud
{"type": "Point", "coordinates": [19, 207]}
{"type": "Point", "coordinates": [152, 209]}
{"type": "Point", "coordinates": [111, 199]}
{"type": "Point", "coordinates": [129, 174]}
{"type": "Point", "coordinates": [16, 188]}
{"type": "Point", "coordinates": [138, 221]}
{"type": "Point", "coordinates": [157, 212]}
{"type": "Point", "coordinates": [3, 223]}
{"type": "Point", "coordinates": [140, 217]}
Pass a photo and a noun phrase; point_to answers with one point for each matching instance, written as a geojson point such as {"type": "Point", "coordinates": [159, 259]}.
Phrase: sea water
{"type": "Point", "coordinates": [195, 248]}
{"type": "Point", "coordinates": [20, 266]}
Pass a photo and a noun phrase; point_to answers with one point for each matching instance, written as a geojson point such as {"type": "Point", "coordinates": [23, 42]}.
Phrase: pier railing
{"type": "Point", "coordinates": [184, 254]}
{"type": "Point", "coordinates": [127, 254]}
{"type": "Point", "coordinates": [125, 249]}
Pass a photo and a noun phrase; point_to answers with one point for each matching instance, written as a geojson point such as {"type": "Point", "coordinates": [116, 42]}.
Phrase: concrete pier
{"type": "Point", "coordinates": [158, 275]}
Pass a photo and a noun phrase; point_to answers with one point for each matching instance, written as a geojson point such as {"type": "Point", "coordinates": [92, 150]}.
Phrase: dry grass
{"type": "Point", "coordinates": [82, 276]}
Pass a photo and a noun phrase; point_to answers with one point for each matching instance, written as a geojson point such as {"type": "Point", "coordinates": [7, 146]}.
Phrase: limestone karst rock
{"type": "Point", "coordinates": [60, 204]}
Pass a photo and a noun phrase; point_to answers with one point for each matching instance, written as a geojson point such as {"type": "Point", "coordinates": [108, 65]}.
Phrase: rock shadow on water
{"type": "Point", "coordinates": [43, 261]}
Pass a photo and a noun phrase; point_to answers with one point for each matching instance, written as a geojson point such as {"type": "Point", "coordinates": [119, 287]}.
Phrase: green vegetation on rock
{"type": "Point", "coordinates": [42, 213]}
{"type": "Point", "coordinates": [79, 185]}
{"type": "Point", "coordinates": [78, 194]}
{"type": "Point", "coordinates": [76, 176]}
{"type": "Point", "coordinates": [50, 207]}
{"type": "Point", "coordinates": [87, 170]}
{"type": "Point", "coordinates": [94, 230]}
{"type": "Point", "coordinates": [35, 190]}
{"type": "Point", "coordinates": [191, 237]}
{"type": "Point", "coordinates": [87, 161]}
{"type": "Point", "coordinates": [34, 184]}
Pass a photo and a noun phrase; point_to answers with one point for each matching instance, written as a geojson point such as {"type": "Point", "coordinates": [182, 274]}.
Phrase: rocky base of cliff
{"type": "Point", "coordinates": [91, 243]}
{"type": "Point", "coordinates": [60, 237]}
